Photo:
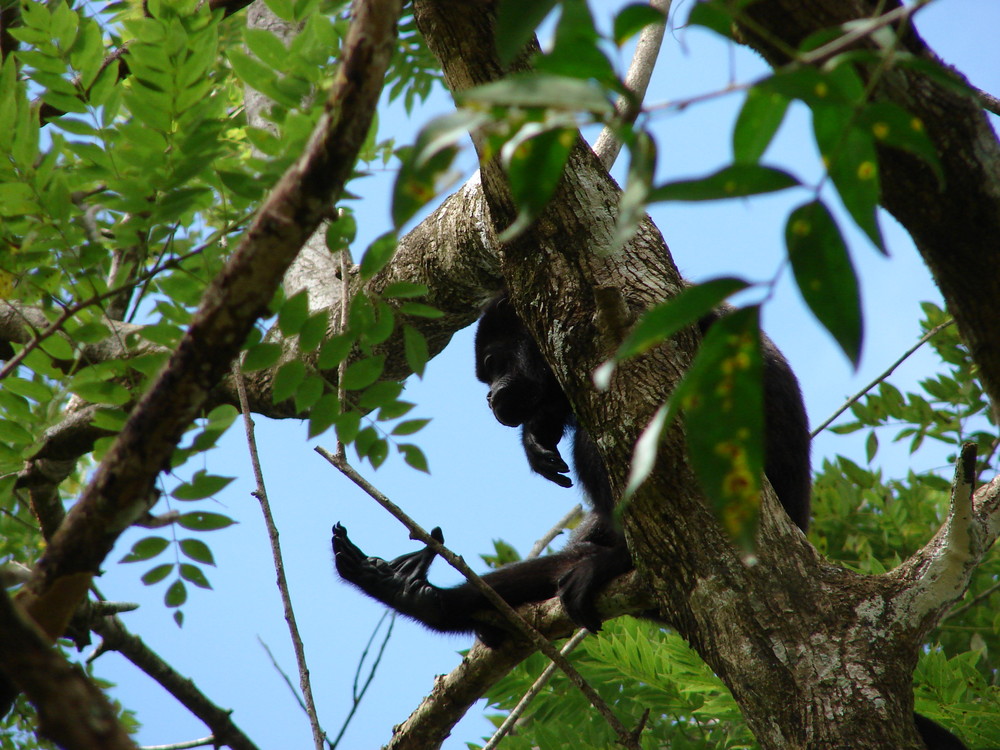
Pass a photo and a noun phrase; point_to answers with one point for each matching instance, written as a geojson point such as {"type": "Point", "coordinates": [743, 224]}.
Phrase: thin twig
{"type": "Point", "coordinates": [857, 396]}
{"type": "Point", "coordinates": [975, 602]}
{"type": "Point", "coordinates": [626, 738]}
{"type": "Point", "coordinates": [533, 691]}
{"type": "Point", "coordinates": [284, 675]}
{"type": "Point", "coordinates": [575, 512]}
{"type": "Point", "coordinates": [272, 531]}
{"type": "Point", "coordinates": [647, 49]}
{"type": "Point", "coordinates": [204, 742]}
{"type": "Point", "coordinates": [357, 695]}
{"type": "Point", "coordinates": [342, 367]}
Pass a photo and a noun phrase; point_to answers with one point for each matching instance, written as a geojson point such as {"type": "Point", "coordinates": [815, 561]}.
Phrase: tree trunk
{"type": "Point", "coordinates": [815, 655]}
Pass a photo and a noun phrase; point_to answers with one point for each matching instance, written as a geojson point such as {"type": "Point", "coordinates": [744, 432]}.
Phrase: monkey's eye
{"type": "Point", "coordinates": [487, 361]}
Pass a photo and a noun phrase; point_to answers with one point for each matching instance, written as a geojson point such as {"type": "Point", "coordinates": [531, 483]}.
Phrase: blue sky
{"type": "Point", "coordinates": [480, 488]}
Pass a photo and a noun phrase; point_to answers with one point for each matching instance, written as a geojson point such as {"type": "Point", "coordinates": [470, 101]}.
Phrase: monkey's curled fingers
{"type": "Point", "coordinates": [389, 581]}
{"type": "Point", "coordinates": [546, 461]}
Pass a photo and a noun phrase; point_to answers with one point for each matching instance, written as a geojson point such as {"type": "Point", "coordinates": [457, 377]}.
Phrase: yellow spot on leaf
{"type": "Point", "coordinates": [866, 170]}
{"type": "Point", "coordinates": [801, 228]}
{"type": "Point", "coordinates": [881, 130]}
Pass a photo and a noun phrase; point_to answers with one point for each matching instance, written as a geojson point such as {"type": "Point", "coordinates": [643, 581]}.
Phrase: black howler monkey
{"type": "Point", "coordinates": [524, 392]}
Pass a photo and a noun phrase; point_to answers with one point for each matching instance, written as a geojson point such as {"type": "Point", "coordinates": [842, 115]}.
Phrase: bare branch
{"type": "Point", "coordinates": [574, 514]}
{"type": "Point", "coordinates": [279, 566]}
{"type": "Point", "coordinates": [116, 637]}
{"type": "Point", "coordinates": [878, 379]}
{"type": "Point", "coordinates": [504, 729]}
{"type": "Point", "coordinates": [939, 573]}
{"type": "Point", "coordinates": [607, 146]}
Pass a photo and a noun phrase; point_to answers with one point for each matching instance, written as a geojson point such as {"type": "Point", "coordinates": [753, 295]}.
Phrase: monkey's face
{"type": "Point", "coordinates": [512, 373]}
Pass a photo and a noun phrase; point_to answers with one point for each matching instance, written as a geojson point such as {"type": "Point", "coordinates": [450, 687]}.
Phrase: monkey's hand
{"type": "Point", "coordinates": [545, 459]}
{"type": "Point", "coordinates": [580, 585]}
{"type": "Point", "coordinates": [400, 583]}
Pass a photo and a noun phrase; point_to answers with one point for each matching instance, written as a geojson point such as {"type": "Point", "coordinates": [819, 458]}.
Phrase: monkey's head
{"type": "Point", "coordinates": [509, 362]}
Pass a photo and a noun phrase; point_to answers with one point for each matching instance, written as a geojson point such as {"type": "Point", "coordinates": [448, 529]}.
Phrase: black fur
{"type": "Point", "coordinates": [524, 392]}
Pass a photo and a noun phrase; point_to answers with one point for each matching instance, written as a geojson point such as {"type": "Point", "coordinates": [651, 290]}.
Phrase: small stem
{"type": "Point", "coordinates": [534, 690]}
{"type": "Point", "coordinates": [857, 396]}
{"type": "Point", "coordinates": [272, 531]}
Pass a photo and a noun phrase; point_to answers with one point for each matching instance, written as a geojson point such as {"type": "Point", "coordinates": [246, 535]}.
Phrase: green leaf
{"type": "Point", "coordinates": [313, 330]}
{"type": "Point", "coordinates": [103, 392]}
{"type": "Point", "coordinates": [363, 373]}
{"type": "Point", "coordinates": [735, 181]}
{"type": "Point", "coordinates": [202, 521]}
{"type": "Point", "coordinates": [891, 124]}
{"type": "Point", "coordinates": [202, 485]}
{"type": "Point", "coordinates": [197, 550]}
{"type": "Point", "coordinates": [516, 23]}
{"type": "Point", "coordinates": [145, 549]}
{"type": "Point", "coordinates": [176, 594]}
{"type": "Point", "coordinates": [32, 389]}
{"type": "Point", "coordinates": [723, 402]}
{"type": "Point", "coordinates": [324, 413]}
{"type": "Point", "coordinates": [666, 319]}
{"type": "Point", "coordinates": [414, 456]}
{"type": "Point", "coordinates": [644, 456]}
{"type": "Point", "coordinates": [266, 46]}
{"type": "Point", "coordinates": [430, 160]}
{"type": "Point", "coordinates": [713, 14]}
{"type": "Point", "coordinates": [287, 380]}
{"type": "Point", "coordinates": [259, 356]}
{"type": "Point", "coordinates": [293, 313]}
{"type": "Point", "coordinates": [415, 347]}
{"type": "Point", "coordinates": [380, 394]}
{"type": "Point", "coordinates": [11, 433]}
{"type": "Point", "coordinates": [341, 232]}
{"type": "Point", "coordinates": [309, 393]}
{"type": "Point", "coordinates": [194, 574]}
{"type": "Point", "coordinates": [410, 426]}
{"type": "Point", "coordinates": [542, 92]}
{"type": "Point", "coordinates": [871, 446]}
{"type": "Point", "coordinates": [334, 351]}
{"type": "Point", "coordinates": [849, 154]}
{"type": "Point", "coordinates": [378, 255]}
{"type": "Point", "coordinates": [535, 167]}
{"type": "Point", "coordinates": [420, 310]}
{"type": "Point", "coordinates": [252, 72]}
{"type": "Point", "coordinates": [576, 51]}
{"type": "Point", "coordinates": [759, 119]}
{"type": "Point", "coordinates": [825, 275]}
{"type": "Point", "coordinates": [381, 329]}
{"type": "Point", "coordinates": [348, 427]}
{"type": "Point", "coordinates": [404, 290]}
{"type": "Point", "coordinates": [377, 452]}
{"type": "Point", "coordinates": [632, 19]}
{"type": "Point", "coordinates": [157, 574]}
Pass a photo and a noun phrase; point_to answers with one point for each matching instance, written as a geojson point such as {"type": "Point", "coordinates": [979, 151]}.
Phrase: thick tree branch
{"type": "Point", "coordinates": [116, 637]}
{"type": "Point", "coordinates": [71, 710]}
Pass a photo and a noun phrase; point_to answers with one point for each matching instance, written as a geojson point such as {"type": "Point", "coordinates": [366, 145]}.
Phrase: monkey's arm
{"type": "Point", "coordinates": [402, 584]}
{"type": "Point", "coordinates": [540, 437]}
